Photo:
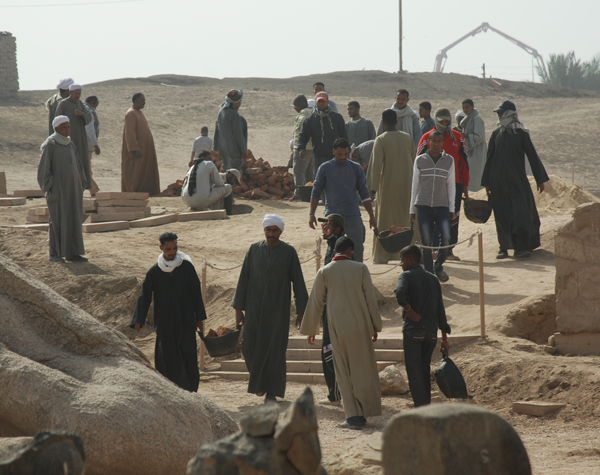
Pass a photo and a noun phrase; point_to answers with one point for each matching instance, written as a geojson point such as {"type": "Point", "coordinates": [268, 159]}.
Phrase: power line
{"type": "Point", "coordinates": [72, 4]}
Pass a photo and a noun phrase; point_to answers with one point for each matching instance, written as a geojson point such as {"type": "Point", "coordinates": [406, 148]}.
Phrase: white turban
{"type": "Point", "coordinates": [459, 115]}
{"type": "Point", "coordinates": [273, 220]}
{"type": "Point", "coordinates": [59, 119]}
{"type": "Point", "coordinates": [74, 87]}
{"type": "Point", "coordinates": [311, 103]}
{"type": "Point", "coordinates": [64, 83]}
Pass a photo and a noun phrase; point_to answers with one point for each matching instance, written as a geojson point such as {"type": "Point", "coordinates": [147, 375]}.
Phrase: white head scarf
{"type": "Point", "coordinates": [273, 220]}
{"type": "Point", "coordinates": [59, 119]}
{"type": "Point", "coordinates": [64, 83]}
{"type": "Point", "coordinates": [74, 87]}
{"type": "Point", "coordinates": [170, 266]}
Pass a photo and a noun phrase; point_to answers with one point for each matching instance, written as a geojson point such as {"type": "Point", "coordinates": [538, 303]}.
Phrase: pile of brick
{"type": "Point", "coordinates": [262, 181]}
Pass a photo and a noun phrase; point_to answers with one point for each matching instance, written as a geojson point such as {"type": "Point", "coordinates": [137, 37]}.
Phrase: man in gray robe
{"type": "Point", "coordinates": [473, 130]}
{"type": "Point", "coordinates": [52, 102]}
{"type": "Point", "coordinates": [79, 117]}
{"type": "Point", "coordinates": [60, 176]}
{"type": "Point", "coordinates": [264, 293]}
{"type": "Point", "coordinates": [231, 141]}
{"type": "Point", "coordinates": [408, 118]}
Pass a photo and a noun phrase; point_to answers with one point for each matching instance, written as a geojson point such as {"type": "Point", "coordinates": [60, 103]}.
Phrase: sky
{"type": "Point", "coordinates": [97, 40]}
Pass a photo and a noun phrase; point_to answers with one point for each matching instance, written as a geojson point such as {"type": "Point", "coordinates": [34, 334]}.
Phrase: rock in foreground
{"type": "Point", "coordinates": [453, 439]}
{"type": "Point", "coordinates": [62, 369]}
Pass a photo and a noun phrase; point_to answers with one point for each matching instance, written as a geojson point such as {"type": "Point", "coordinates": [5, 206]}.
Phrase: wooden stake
{"type": "Point", "coordinates": [573, 174]}
{"type": "Point", "coordinates": [481, 290]}
{"type": "Point", "coordinates": [318, 253]}
{"type": "Point", "coordinates": [203, 288]}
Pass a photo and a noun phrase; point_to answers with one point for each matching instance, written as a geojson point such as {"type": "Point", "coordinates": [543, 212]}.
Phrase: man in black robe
{"type": "Point", "coordinates": [178, 311]}
{"type": "Point", "coordinates": [264, 293]}
{"type": "Point", "coordinates": [506, 182]}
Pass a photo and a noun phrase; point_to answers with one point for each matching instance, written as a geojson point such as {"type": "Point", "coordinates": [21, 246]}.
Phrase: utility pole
{"type": "Point", "coordinates": [400, 28]}
{"type": "Point", "coordinates": [483, 70]}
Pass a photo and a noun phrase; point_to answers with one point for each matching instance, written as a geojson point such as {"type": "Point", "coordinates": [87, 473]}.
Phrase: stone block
{"type": "Point", "coordinates": [577, 343]}
{"type": "Point", "coordinates": [202, 215]}
{"type": "Point", "coordinates": [566, 286]}
{"type": "Point", "coordinates": [121, 195]}
{"type": "Point", "coordinates": [453, 439]}
{"type": "Point", "coordinates": [102, 227]}
{"type": "Point", "coordinates": [588, 279]}
{"type": "Point", "coordinates": [586, 217]}
{"type": "Point", "coordinates": [121, 203]}
{"type": "Point", "coordinates": [576, 308]}
{"type": "Point", "coordinates": [536, 408]}
{"type": "Point", "coordinates": [102, 218]}
{"type": "Point", "coordinates": [154, 221]}
{"type": "Point", "coordinates": [125, 209]}
{"type": "Point", "coordinates": [33, 227]}
{"type": "Point", "coordinates": [2, 183]}
{"type": "Point", "coordinates": [41, 211]}
{"type": "Point", "coordinates": [569, 247]}
{"type": "Point", "coordinates": [12, 201]}
{"type": "Point", "coordinates": [37, 219]}
{"type": "Point", "coordinates": [591, 248]}
{"type": "Point", "coordinates": [29, 193]}
{"type": "Point", "coordinates": [260, 421]}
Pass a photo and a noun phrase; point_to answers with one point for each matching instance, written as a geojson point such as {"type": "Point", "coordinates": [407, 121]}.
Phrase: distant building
{"type": "Point", "coordinates": [9, 77]}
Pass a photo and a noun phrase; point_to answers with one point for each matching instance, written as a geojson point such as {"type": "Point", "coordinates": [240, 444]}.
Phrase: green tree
{"type": "Point", "coordinates": [567, 71]}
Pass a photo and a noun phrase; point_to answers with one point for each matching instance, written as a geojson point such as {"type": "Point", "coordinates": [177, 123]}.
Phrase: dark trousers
{"type": "Point", "coordinates": [429, 219]}
{"type": "Point", "coordinates": [454, 222]}
{"type": "Point", "coordinates": [418, 348]}
{"type": "Point", "coordinates": [333, 392]}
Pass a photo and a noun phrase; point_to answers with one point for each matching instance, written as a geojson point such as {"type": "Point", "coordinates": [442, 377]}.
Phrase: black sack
{"type": "Point", "coordinates": [478, 211]}
{"type": "Point", "coordinates": [449, 379]}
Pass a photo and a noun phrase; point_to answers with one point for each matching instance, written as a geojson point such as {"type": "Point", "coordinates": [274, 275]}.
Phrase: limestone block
{"type": "Point", "coordinates": [102, 227]}
{"type": "Point", "coordinates": [591, 247]}
{"type": "Point", "coordinates": [392, 381]}
{"type": "Point", "coordinates": [101, 218]}
{"type": "Point", "coordinates": [586, 218]}
{"type": "Point", "coordinates": [578, 307]}
{"type": "Point", "coordinates": [154, 221]}
{"type": "Point", "coordinates": [577, 323]}
{"type": "Point", "coordinates": [49, 452]}
{"type": "Point", "coordinates": [565, 266]}
{"type": "Point", "coordinates": [260, 422]}
{"type": "Point", "coordinates": [33, 227]}
{"type": "Point", "coordinates": [2, 183]}
{"type": "Point", "coordinates": [453, 439]}
{"type": "Point", "coordinates": [12, 201]}
{"type": "Point", "coordinates": [114, 195]}
{"type": "Point", "coordinates": [577, 343]}
{"type": "Point", "coordinates": [202, 215]}
{"type": "Point", "coordinates": [536, 408]}
{"type": "Point", "coordinates": [29, 193]}
{"type": "Point", "coordinates": [121, 203]}
{"type": "Point", "coordinates": [569, 247]}
{"type": "Point", "coordinates": [589, 282]}
{"type": "Point", "coordinates": [37, 219]}
{"type": "Point", "coordinates": [566, 286]}
{"type": "Point", "coordinates": [125, 209]}
{"type": "Point", "coordinates": [41, 211]}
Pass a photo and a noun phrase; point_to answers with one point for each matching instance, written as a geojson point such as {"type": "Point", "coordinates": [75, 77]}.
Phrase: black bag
{"type": "Point", "coordinates": [394, 243]}
{"type": "Point", "coordinates": [478, 211]}
{"type": "Point", "coordinates": [449, 379]}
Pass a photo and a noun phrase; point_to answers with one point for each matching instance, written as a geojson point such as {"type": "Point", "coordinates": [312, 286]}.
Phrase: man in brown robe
{"type": "Point", "coordinates": [139, 166]}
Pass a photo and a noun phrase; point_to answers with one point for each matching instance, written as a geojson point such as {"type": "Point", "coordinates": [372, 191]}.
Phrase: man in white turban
{"type": "Point", "coordinates": [263, 293]}
{"type": "Point", "coordinates": [79, 117]}
{"type": "Point", "coordinates": [52, 102]}
{"type": "Point", "coordinates": [61, 178]}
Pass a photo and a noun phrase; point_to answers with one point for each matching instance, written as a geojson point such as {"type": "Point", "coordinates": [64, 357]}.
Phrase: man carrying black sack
{"type": "Point", "coordinates": [419, 293]}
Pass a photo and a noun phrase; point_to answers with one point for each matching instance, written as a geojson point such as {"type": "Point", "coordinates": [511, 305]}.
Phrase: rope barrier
{"type": "Point", "coordinates": [228, 269]}
{"type": "Point", "coordinates": [470, 239]}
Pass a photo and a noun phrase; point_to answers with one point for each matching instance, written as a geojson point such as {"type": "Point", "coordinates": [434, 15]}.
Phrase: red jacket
{"type": "Point", "coordinates": [456, 148]}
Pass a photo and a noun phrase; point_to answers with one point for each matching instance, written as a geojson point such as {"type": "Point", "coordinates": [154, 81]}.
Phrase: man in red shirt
{"type": "Point", "coordinates": [454, 145]}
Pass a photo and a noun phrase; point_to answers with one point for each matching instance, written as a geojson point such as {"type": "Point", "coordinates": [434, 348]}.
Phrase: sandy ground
{"type": "Point", "coordinates": [498, 370]}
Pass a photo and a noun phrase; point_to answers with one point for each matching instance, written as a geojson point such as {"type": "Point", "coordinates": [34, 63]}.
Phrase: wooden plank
{"type": "Point", "coordinates": [126, 209]}
{"type": "Point", "coordinates": [37, 219]}
{"type": "Point", "coordinates": [202, 215]}
{"type": "Point", "coordinates": [29, 193]}
{"type": "Point", "coordinates": [89, 204]}
{"type": "Point", "coordinates": [12, 201]}
{"type": "Point", "coordinates": [154, 221]}
{"type": "Point", "coordinates": [118, 195]}
{"type": "Point", "coordinates": [122, 203]}
{"type": "Point", "coordinates": [103, 227]}
{"type": "Point", "coordinates": [536, 408]}
{"type": "Point", "coordinates": [41, 211]}
{"type": "Point", "coordinates": [3, 183]}
{"type": "Point", "coordinates": [102, 218]}
{"type": "Point", "coordinates": [34, 227]}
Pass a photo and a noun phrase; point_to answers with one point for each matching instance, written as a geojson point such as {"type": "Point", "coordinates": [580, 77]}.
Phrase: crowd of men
{"type": "Point", "coordinates": [404, 172]}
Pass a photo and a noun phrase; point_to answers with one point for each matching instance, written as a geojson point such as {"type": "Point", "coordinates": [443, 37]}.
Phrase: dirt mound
{"type": "Point", "coordinates": [561, 194]}
{"type": "Point", "coordinates": [533, 319]}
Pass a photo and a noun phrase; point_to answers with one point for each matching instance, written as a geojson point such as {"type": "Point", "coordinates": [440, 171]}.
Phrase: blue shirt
{"type": "Point", "coordinates": [341, 182]}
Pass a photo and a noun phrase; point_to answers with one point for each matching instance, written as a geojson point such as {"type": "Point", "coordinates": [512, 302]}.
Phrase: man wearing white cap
{"type": "Point", "coordinates": [52, 102]}
{"type": "Point", "coordinates": [263, 293]}
{"type": "Point", "coordinates": [60, 176]}
{"type": "Point", "coordinates": [79, 117]}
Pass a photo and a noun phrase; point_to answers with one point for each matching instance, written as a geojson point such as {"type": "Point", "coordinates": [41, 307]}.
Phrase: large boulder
{"type": "Point", "coordinates": [453, 439]}
{"type": "Point", "coordinates": [49, 452]}
{"type": "Point", "coordinates": [62, 369]}
{"type": "Point", "coordinates": [266, 446]}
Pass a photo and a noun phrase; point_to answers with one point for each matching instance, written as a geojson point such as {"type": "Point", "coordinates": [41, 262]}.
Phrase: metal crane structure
{"type": "Point", "coordinates": [440, 59]}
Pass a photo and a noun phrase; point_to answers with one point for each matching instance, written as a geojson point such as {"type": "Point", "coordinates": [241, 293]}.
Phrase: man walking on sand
{"type": "Point", "coordinates": [302, 167]}
{"type": "Point", "coordinates": [419, 294]}
{"type": "Point", "coordinates": [178, 311]}
{"type": "Point", "coordinates": [473, 130]}
{"type": "Point", "coordinates": [93, 131]}
{"type": "Point", "coordinates": [139, 165]}
{"type": "Point", "coordinates": [231, 140]}
{"type": "Point", "coordinates": [79, 117]}
{"type": "Point", "coordinates": [52, 102]}
{"type": "Point", "coordinates": [354, 321]}
{"type": "Point", "coordinates": [61, 178]}
{"type": "Point", "coordinates": [201, 144]}
{"type": "Point", "coordinates": [263, 292]}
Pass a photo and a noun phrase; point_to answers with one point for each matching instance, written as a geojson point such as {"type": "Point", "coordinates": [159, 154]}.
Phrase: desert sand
{"type": "Point", "coordinates": [500, 369]}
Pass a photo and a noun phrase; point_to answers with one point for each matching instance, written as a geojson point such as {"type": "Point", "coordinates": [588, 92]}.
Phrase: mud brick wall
{"type": "Point", "coordinates": [9, 77]}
